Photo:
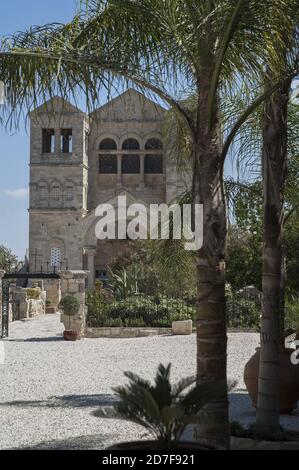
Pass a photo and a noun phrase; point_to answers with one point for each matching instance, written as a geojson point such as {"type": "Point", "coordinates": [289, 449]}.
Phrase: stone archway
{"type": "Point", "coordinates": [98, 254]}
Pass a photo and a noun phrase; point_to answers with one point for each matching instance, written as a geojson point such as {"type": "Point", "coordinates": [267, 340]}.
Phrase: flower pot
{"type": "Point", "coordinates": [50, 310]}
{"type": "Point", "coordinates": [69, 335]}
{"type": "Point", "coordinates": [289, 380]}
{"type": "Point", "coordinates": [156, 445]}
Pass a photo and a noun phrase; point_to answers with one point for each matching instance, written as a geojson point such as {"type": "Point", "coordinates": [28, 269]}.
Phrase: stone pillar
{"type": "Point", "coordinates": [2, 272]}
{"type": "Point", "coordinates": [53, 290]}
{"type": "Point", "coordinates": [57, 141]}
{"type": "Point", "coordinates": [119, 170]}
{"type": "Point", "coordinates": [142, 159]}
{"type": "Point", "coordinates": [90, 252]}
{"type": "Point", "coordinates": [73, 283]}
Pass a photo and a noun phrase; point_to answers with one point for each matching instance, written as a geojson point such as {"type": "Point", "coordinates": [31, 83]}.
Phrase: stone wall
{"type": "Point", "coordinates": [125, 332]}
{"type": "Point", "coordinates": [53, 290]}
{"type": "Point", "coordinates": [28, 308]}
{"type": "Point", "coordinates": [73, 283]}
{"type": "Point", "coordinates": [65, 222]}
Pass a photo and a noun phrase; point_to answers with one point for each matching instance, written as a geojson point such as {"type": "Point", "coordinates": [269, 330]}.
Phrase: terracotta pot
{"type": "Point", "coordinates": [289, 380]}
{"type": "Point", "coordinates": [69, 335]}
{"type": "Point", "coordinates": [155, 445]}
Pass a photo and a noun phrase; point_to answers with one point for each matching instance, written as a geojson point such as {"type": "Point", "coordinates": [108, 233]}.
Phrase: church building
{"type": "Point", "coordinates": [78, 161]}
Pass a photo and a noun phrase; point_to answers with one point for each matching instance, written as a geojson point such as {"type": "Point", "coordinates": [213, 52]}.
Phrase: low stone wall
{"type": "Point", "coordinates": [123, 332]}
{"type": "Point", "coordinates": [28, 308]}
{"type": "Point", "coordinates": [183, 328]}
{"type": "Point", "coordinates": [238, 443]}
{"type": "Point", "coordinates": [35, 308]}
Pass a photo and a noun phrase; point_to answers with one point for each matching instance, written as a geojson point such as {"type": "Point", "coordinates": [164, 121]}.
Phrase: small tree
{"type": "Point", "coordinates": [7, 258]}
{"type": "Point", "coordinates": [69, 306]}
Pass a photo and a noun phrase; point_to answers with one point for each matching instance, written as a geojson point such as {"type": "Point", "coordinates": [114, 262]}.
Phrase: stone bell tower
{"type": "Point", "coordinates": [58, 184]}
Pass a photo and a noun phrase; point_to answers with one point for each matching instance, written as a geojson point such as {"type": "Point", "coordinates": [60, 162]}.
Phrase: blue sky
{"type": "Point", "coordinates": [16, 15]}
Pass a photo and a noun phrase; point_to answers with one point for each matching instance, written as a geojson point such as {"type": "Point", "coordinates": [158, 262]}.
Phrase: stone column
{"type": "Point", "coordinates": [2, 272]}
{"type": "Point", "coordinates": [73, 283]}
{"type": "Point", "coordinates": [90, 252]}
{"type": "Point", "coordinates": [142, 159]}
{"type": "Point", "coordinates": [119, 171]}
{"type": "Point", "coordinates": [57, 141]}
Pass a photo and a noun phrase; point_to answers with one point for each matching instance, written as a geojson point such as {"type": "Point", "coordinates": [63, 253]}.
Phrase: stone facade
{"type": "Point", "coordinates": [73, 283]}
{"type": "Point", "coordinates": [68, 177]}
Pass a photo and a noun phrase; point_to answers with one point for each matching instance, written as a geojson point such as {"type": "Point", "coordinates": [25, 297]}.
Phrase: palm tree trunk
{"type": "Point", "coordinates": [274, 168]}
{"type": "Point", "coordinates": [283, 280]}
{"type": "Point", "coordinates": [211, 319]}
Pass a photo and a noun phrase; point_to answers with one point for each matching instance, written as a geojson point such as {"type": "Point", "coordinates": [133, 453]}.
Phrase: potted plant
{"type": "Point", "coordinates": [163, 409]}
{"type": "Point", "coordinates": [69, 306]}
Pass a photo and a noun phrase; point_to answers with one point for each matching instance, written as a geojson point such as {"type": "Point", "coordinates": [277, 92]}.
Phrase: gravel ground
{"type": "Point", "coordinates": [50, 388]}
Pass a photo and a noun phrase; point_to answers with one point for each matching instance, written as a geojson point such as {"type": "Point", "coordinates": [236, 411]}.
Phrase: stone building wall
{"type": "Point", "coordinates": [67, 222]}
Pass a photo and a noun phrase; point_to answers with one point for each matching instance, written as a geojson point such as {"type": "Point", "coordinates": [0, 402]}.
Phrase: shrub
{"type": "Point", "coordinates": [139, 311]}
{"type": "Point", "coordinates": [242, 313]}
{"type": "Point", "coordinates": [161, 311]}
{"type": "Point", "coordinates": [292, 313]}
{"type": "Point", "coordinates": [69, 305]}
{"type": "Point", "coordinates": [33, 293]}
{"type": "Point", "coordinates": [97, 301]}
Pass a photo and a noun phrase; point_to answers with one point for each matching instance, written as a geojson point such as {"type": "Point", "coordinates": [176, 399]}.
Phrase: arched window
{"type": "Point", "coordinates": [56, 192]}
{"type": "Point", "coordinates": [153, 163]}
{"type": "Point", "coordinates": [69, 192]}
{"type": "Point", "coordinates": [154, 144]}
{"type": "Point", "coordinates": [43, 192]}
{"type": "Point", "coordinates": [108, 144]}
{"type": "Point", "coordinates": [107, 162]}
{"type": "Point", "coordinates": [131, 144]}
{"type": "Point", "coordinates": [131, 161]}
{"type": "Point", "coordinates": [55, 257]}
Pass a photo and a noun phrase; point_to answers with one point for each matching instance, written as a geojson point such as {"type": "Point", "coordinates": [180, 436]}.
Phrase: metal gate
{"type": "Point", "coordinates": [13, 307]}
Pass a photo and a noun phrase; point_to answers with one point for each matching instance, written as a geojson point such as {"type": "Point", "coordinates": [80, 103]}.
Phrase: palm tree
{"type": "Point", "coordinates": [163, 409]}
{"type": "Point", "coordinates": [274, 164]}
{"type": "Point", "coordinates": [164, 47]}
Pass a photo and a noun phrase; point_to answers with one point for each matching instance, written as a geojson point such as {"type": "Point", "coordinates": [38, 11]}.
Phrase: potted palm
{"type": "Point", "coordinates": [163, 409]}
{"type": "Point", "coordinates": [69, 306]}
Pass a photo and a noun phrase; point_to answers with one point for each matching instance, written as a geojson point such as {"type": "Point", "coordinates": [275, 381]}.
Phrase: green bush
{"type": "Point", "coordinates": [137, 311]}
{"type": "Point", "coordinates": [69, 305]}
{"type": "Point", "coordinates": [154, 312]}
{"type": "Point", "coordinates": [33, 293]}
{"type": "Point", "coordinates": [97, 302]}
{"type": "Point", "coordinates": [242, 313]}
{"type": "Point", "coordinates": [292, 313]}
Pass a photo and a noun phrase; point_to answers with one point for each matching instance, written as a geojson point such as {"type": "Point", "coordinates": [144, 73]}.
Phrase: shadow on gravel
{"type": "Point", "coordinates": [240, 406]}
{"type": "Point", "coordinates": [92, 442]}
{"type": "Point", "coordinates": [241, 410]}
{"type": "Point", "coordinates": [50, 339]}
{"type": "Point", "coordinates": [65, 401]}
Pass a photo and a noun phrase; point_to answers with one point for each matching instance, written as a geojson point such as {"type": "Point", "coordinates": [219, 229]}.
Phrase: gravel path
{"type": "Point", "coordinates": [50, 388]}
